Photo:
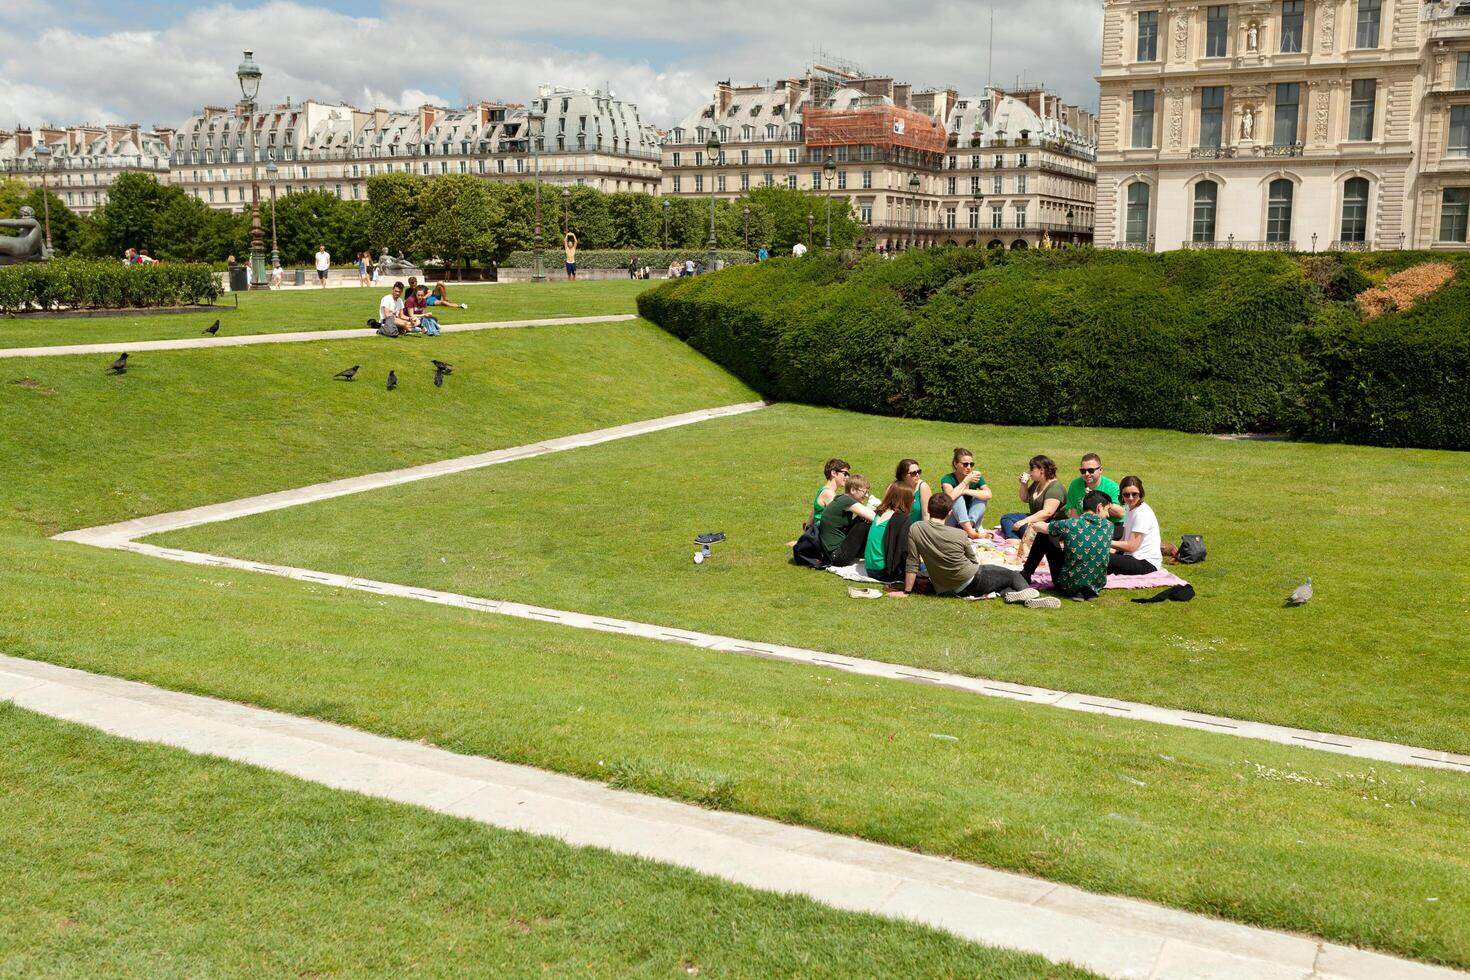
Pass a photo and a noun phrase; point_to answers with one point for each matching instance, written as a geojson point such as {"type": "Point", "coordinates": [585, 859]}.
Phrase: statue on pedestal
{"type": "Point", "coordinates": [1248, 124]}
{"type": "Point", "coordinates": [390, 266]}
{"type": "Point", "coordinates": [29, 245]}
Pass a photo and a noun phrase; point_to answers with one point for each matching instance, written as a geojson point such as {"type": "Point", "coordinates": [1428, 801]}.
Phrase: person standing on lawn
{"type": "Point", "coordinates": [323, 265]}
{"type": "Point", "coordinates": [949, 559]}
{"type": "Point", "coordinates": [569, 245]}
{"type": "Point", "coordinates": [966, 488]}
{"type": "Point", "coordinates": [1091, 479]}
{"type": "Point", "coordinates": [1080, 571]}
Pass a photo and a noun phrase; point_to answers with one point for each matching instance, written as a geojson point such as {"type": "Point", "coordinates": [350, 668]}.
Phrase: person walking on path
{"type": "Point", "coordinates": [323, 264]}
{"type": "Point", "coordinates": [570, 245]}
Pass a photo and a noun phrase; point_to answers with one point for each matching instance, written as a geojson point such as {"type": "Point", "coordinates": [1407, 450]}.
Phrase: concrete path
{"type": "Point", "coordinates": [1118, 937]}
{"type": "Point", "coordinates": [195, 343]}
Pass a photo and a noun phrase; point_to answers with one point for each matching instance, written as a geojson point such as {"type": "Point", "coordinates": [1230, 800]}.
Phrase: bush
{"type": "Point", "coordinates": [104, 284]}
{"type": "Point", "coordinates": [656, 259]}
{"type": "Point", "coordinates": [1192, 341]}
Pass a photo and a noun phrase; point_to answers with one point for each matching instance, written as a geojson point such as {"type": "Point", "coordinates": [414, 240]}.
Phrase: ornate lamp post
{"type": "Point", "coordinates": [914, 211]}
{"type": "Point", "coordinates": [1071, 216]}
{"type": "Point", "coordinates": [713, 149]}
{"type": "Point", "coordinates": [248, 75]}
{"type": "Point", "coordinates": [43, 157]}
{"type": "Point", "coordinates": [534, 116]}
{"type": "Point", "coordinates": [975, 205]}
{"type": "Point", "coordinates": [270, 176]}
{"type": "Point", "coordinates": [666, 224]}
{"type": "Point", "coordinates": [829, 174]}
{"type": "Point", "coordinates": [566, 211]}
{"type": "Point", "coordinates": [1314, 243]}
{"type": "Point", "coordinates": [745, 212]}
{"type": "Point", "coordinates": [811, 223]}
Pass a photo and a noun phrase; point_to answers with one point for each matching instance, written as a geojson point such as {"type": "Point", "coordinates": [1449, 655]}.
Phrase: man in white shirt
{"type": "Point", "coordinates": [798, 249]}
{"type": "Point", "coordinates": [323, 263]}
{"type": "Point", "coordinates": [390, 312]}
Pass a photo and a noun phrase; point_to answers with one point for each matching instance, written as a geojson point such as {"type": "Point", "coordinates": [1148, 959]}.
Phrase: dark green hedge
{"type": "Point", "coordinates": [1193, 341]}
{"type": "Point", "coordinates": [103, 284]}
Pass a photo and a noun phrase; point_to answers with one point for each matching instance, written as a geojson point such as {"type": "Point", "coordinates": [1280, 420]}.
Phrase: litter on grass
{"type": "Point", "coordinates": [947, 738]}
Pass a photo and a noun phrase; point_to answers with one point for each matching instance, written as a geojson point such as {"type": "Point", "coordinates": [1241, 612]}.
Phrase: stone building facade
{"type": "Point", "coordinates": [84, 160]}
{"type": "Point", "coordinates": [1284, 124]}
{"type": "Point", "coordinates": [1003, 170]}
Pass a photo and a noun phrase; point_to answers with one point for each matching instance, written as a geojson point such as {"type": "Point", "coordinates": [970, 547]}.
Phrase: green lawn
{"type": "Point", "coordinates": [128, 860]}
{"type": "Point", "coordinates": [183, 428]}
{"type": "Point", "coordinates": [326, 309]}
{"type": "Point", "coordinates": [1276, 836]}
{"type": "Point", "coordinates": [1380, 652]}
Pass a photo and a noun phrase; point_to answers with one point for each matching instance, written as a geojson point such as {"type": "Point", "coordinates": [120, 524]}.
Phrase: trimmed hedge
{"type": "Point", "coordinates": [1192, 341]}
{"type": "Point", "coordinates": [103, 284]}
{"type": "Point", "coordinates": [654, 258]}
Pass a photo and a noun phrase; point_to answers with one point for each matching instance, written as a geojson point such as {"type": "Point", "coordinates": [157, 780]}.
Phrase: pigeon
{"type": "Point", "coordinates": [442, 367]}
{"type": "Point", "coordinates": [392, 380]}
{"type": "Point", "coordinates": [1301, 595]}
{"type": "Point", "coordinates": [212, 329]}
{"type": "Point", "coordinates": [439, 374]}
{"type": "Point", "coordinates": [119, 366]}
{"type": "Point", "coordinates": [349, 374]}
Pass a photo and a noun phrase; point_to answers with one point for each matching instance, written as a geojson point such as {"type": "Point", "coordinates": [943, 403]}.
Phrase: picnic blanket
{"type": "Point", "coordinates": [1161, 579]}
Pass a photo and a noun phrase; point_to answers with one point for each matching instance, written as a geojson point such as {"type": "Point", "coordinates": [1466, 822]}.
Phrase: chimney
{"type": "Point", "coordinates": [723, 97]}
{"type": "Point", "coordinates": [24, 140]}
{"type": "Point", "coordinates": [793, 94]}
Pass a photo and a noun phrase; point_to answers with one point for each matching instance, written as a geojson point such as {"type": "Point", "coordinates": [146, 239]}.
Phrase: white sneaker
{"type": "Point", "coordinates": [1044, 602]}
{"type": "Point", "coordinates": [1022, 595]}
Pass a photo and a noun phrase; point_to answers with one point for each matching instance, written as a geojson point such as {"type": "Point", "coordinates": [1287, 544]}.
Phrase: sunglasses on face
{"type": "Point", "coordinates": [840, 473]}
{"type": "Point", "coordinates": [1089, 469]}
{"type": "Point", "coordinates": [916, 472]}
{"type": "Point", "coordinates": [1127, 494]}
{"type": "Point", "coordinates": [968, 464]}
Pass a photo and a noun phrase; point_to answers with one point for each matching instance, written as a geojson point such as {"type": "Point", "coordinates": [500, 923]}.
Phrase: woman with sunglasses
{"type": "Point", "coordinates": [886, 553]}
{"type": "Point", "coordinates": [1042, 493]}
{"type": "Point", "coordinates": [1140, 552]}
{"type": "Point", "coordinates": [966, 487]}
{"type": "Point", "coordinates": [908, 473]}
{"type": "Point", "coordinates": [836, 472]}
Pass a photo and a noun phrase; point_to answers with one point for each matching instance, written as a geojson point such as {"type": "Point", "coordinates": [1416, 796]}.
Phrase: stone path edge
{"type": "Point", "coordinates": [1120, 937]}
{"type": "Point", "coordinates": [246, 340]}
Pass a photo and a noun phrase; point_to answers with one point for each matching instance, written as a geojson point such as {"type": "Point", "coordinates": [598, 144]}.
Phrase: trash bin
{"type": "Point", "coordinates": [299, 277]}
{"type": "Point", "coordinates": [238, 281]}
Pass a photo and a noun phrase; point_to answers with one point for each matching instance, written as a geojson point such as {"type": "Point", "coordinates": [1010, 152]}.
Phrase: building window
{"type": "Point", "coordinates": [867, 180]}
{"type": "Point", "coordinates": [1143, 118]}
{"type": "Point", "coordinates": [1292, 17]}
{"type": "Point", "coordinates": [1355, 210]}
{"type": "Point", "coordinates": [1217, 30]}
{"type": "Point", "coordinates": [1148, 35]}
{"type": "Point", "coordinates": [1360, 113]}
{"type": "Point", "coordinates": [1021, 162]}
{"type": "Point", "coordinates": [698, 183]}
{"type": "Point", "coordinates": [1278, 210]}
{"type": "Point", "coordinates": [1137, 215]}
{"type": "Point", "coordinates": [949, 216]}
{"type": "Point", "coordinates": [1462, 70]}
{"type": "Point", "coordinates": [720, 183]}
{"type": "Point", "coordinates": [745, 182]}
{"type": "Point", "coordinates": [1000, 164]}
{"type": "Point", "coordinates": [1211, 116]}
{"type": "Point", "coordinates": [1020, 183]}
{"type": "Point", "coordinates": [791, 154]}
{"type": "Point", "coordinates": [1288, 111]}
{"type": "Point", "coordinates": [974, 186]}
{"type": "Point", "coordinates": [951, 185]}
{"type": "Point", "coordinates": [1370, 12]}
{"type": "Point", "coordinates": [676, 183]}
{"type": "Point", "coordinates": [770, 156]}
{"type": "Point", "coordinates": [865, 214]}
{"type": "Point", "coordinates": [675, 161]}
{"type": "Point", "coordinates": [997, 216]}
{"type": "Point", "coordinates": [842, 180]}
{"type": "Point", "coordinates": [1206, 195]}
{"type": "Point", "coordinates": [1453, 210]}
{"type": "Point", "coordinates": [997, 185]}
{"type": "Point", "coordinates": [1020, 216]}
{"type": "Point", "coordinates": [791, 181]}
{"type": "Point", "coordinates": [975, 220]}
{"type": "Point", "coordinates": [768, 179]}
{"type": "Point", "coordinates": [816, 179]}
{"type": "Point", "coordinates": [1459, 144]}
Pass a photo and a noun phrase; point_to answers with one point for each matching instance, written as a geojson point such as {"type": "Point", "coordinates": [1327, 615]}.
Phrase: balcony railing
{"type": "Point", "coordinates": [1238, 245]}
{"type": "Point", "coordinates": [1126, 246]}
{"type": "Point", "coordinates": [1279, 150]}
{"type": "Point", "coordinates": [1212, 153]}
{"type": "Point", "coordinates": [1343, 246]}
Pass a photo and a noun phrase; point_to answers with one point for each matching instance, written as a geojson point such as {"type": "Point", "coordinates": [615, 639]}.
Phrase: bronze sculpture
{"type": "Point", "coordinates": [29, 245]}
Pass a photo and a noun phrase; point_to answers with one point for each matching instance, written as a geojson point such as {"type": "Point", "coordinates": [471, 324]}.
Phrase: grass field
{"type": "Point", "coordinates": [128, 860]}
{"type": "Point", "coordinates": [326, 309]}
{"type": "Point", "coordinates": [1378, 653]}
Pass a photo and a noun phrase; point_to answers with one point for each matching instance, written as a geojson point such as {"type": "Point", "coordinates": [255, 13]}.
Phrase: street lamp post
{"type": "Point", "coordinates": [829, 173]}
{"type": "Point", "coordinates": [914, 211]}
{"type": "Point", "coordinates": [745, 212]}
{"type": "Point", "coordinates": [248, 75]}
{"type": "Point", "coordinates": [1071, 216]}
{"type": "Point", "coordinates": [666, 224]}
{"type": "Point", "coordinates": [811, 224]}
{"type": "Point", "coordinates": [533, 137]}
{"type": "Point", "coordinates": [270, 176]}
{"type": "Point", "coordinates": [43, 156]}
{"type": "Point", "coordinates": [1314, 243]}
{"type": "Point", "coordinates": [975, 206]}
{"type": "Point", "coordinates": [713, 149]}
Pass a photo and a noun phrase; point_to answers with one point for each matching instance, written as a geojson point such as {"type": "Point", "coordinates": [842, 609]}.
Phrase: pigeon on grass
{"type": "Point", "coordinates": [1302, 594]}
{"type": "Point", "coordinates": [439, 374]}
{"type": "Point", "coordinates": [119, 366]}
{"type": "Point", "coordinates": [441, 366]}
{"type": "Point", "coordinates": [392, 380]}
{"type": "Point", "coordinates": [212, 329]}
{"type": "Point", "coordinates": [347, 375]}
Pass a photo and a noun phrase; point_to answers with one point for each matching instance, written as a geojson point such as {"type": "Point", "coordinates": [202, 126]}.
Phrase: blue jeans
{"type": "Point", "coordinates": [966, 509]}
{"type": "Point", "coordinates": [1008, 523]}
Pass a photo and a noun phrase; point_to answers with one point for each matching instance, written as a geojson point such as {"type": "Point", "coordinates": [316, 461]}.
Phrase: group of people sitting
{"type": "Point", "coordinates": [917, 534]}
{"type": "Point", "coordinates": [407, 310]}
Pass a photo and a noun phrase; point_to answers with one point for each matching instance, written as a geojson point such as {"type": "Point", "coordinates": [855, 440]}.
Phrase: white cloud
{"type": "Point", "coordinates": [663, 55]}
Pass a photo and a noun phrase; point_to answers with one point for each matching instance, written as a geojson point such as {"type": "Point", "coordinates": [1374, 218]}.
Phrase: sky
{"type": "Point", "coordinates": [158, 63]}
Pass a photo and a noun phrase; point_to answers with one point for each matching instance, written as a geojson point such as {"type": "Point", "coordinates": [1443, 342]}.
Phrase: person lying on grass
{"type": "Point", "coordinates": [843, 527]}
{"type": "Point", "coordinates": [885, 555]}
{"type": "Point", "coordinates": [1141, 551]}
{"type": "Point", "coordinates": [948, 556]}
{"type": "Point", "coordinates": [1080, 570]}
{"type": "Point", "coordinates": [966, 488]}
{"type": "Point", "coordinates": [440, 297]}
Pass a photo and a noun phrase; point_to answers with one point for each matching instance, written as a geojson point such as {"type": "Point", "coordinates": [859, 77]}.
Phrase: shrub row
{"type": "Point", "coordinates": [103, 284]}
{"type": "Point", "coordinates": [653, 258]}
{"type": "Point", "coordinates": [1192, 341]}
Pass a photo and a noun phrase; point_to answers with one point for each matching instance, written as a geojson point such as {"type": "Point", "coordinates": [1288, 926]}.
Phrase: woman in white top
{"type": "Point", "coordinates": [1140, 552]}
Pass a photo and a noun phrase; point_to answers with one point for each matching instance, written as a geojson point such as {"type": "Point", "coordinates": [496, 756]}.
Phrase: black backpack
{"type": "Point", "coordinates": [808, 548]}
{"type": "Point", "coordinates": [1192, 549]}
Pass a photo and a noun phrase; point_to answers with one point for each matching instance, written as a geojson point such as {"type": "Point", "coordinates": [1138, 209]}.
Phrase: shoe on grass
{"type": "Point", "coordinates": [1022, 595]}
{"type": "Point", "coordinates": [1044, 602]}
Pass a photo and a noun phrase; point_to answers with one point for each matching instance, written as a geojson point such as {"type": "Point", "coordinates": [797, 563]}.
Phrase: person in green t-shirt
{"type": "Point", "coordinates": [909, 473]}
{"type": "Point", "coordinates": [966, 487]}
{"type": "Point", "coordinates": [843, 529]}
{"type": "Point", "coordinates": [886, 552]}
{"type": "Point", "coordinates": [1092, 479]}
{"type": "Point", "coordinates": [836, 472]}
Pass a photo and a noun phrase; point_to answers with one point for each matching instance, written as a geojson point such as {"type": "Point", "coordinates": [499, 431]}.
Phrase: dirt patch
{"type": "Point", "coordinates": [1402, 290]}
{"type": "Point", "coordinates": [31, 384]}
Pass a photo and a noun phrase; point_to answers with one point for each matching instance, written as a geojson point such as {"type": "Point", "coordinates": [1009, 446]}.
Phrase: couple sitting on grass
{"type": "Point", "coordinates": [401, 312]}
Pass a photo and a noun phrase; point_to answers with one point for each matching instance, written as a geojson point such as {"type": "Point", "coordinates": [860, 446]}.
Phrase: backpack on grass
{"type": "Point", "coordinates": [808, 548]}
{"type": "Point", "coordinates": [1192, 549]}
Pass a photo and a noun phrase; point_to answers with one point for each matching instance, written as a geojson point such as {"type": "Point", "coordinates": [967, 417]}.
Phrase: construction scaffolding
{"type": "Point", "coordinates": [880, 124]}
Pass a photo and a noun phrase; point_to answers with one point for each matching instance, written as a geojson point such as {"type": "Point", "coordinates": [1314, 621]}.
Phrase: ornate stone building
{"type": "Point", "coordinates": [1284, 124]}
{"type": "Point", "coordinates": [84, 160]}
{"type": "Point", "coordinates": [1004, 170]}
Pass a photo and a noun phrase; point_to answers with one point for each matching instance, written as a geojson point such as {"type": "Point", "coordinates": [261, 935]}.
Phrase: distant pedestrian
{"type": "Point", "coordinates": [276, 273]}
{"type": "Point", "coordinates": [323, 265]}
{"type": "Point", "coordinates": [762, 254]}
{"type": "Point", "coordinates": [633, 267]}
{"type": "Point", "coordinates": [570, 245]}
{"type": "Point", "coordinates": [364, 268]}
{"type": "Point", "coordinates": [798, 250]}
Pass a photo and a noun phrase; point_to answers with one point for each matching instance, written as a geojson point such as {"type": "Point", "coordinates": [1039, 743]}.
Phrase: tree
{"type": "Point", "coordinates": [634, 220]}
{"type": "Point", "coordinates": [127, 220]}
{"type": "Point", "coordinates": [457, 218]}
{"type": "Point", "coordinates": [188, 230]}
{"type": "Point", "coordinates": [393, 210]}
{"type": "Point", "coordinates": [781, 214]}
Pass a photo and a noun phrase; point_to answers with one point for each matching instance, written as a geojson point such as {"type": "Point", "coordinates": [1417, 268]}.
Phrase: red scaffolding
{"type": "Point", "coordinates": [879, 125]}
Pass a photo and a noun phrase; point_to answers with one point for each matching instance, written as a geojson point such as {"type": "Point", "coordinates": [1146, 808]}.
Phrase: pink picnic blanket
{"type": "Point", "coordinates": [1161, 579]}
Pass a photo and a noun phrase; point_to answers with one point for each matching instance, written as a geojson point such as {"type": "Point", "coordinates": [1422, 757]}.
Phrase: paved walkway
{"type": "Point", "coordinates": [1115, 936]}
{"type": "Point", "coordinates": [193, 343]}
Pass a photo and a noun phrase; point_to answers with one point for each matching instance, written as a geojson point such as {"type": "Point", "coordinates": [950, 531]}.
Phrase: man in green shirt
{"type": "Point", "coordinates": [1081, 571]}
{"type": "Point", "coordinates": [843, 527]}
{"type": "Point", "coordinates": [1092, 479]}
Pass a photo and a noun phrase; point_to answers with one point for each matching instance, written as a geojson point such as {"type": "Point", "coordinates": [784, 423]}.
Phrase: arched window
{"type": "Point", "coordinates": [1355, 210]}
{"type": "Point", "coordinates": [1278, 210]}
{"type": "Point", "coordinates": [1206, 196]}
{"type": "Point", "coordinates": [1019, 245]}
{"type": "Point", "coordinates": [1138, 200]}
